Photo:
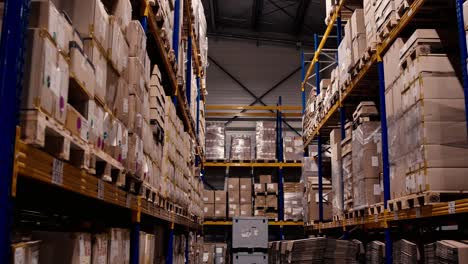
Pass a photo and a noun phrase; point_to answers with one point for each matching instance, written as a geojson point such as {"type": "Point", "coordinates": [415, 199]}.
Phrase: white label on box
{"type": "Point", "coordinates": [205, 199]}
{"type": "Point", "coordinates": [219, 250]}
{"type": "Point", "coordinates": [376, 189]}
{"type": "Point", "coordinates": [125, 105]}
{"type": "Point", "coordinates": [243, 187]}
{"type": "Point", "coordinates": [206, 256]}
{"type": "Point", "coordinates": [217, 199]}
{"type": "Point", "coordinates": [57, 172]}
{"type": "Point", "coordinates": [230, 186]}
{"type": "Point", "coordinates": [20, 256]}
{"type": "Point", "coordinates": [205, 209]}
{"type": "Point", "coordinates": [295, 202]}
{"type": "Point", "coordinates": [316, 197]}
{"type": "Point", "coordinates": [289, 149]}
{"type": "Point", "coordinates": [375, 161]}
{"type": "Point", "coordinates": [243, 212]}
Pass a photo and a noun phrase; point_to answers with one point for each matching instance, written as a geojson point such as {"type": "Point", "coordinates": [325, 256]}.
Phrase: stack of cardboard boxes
{"type": "Point", "coordinates": [293, 148]}
{"type": "Point", "coordinates": [266, 197]}
{"type": "Point", "coordinates": [214, 253]}
{"type": "Point", "coordinates": [311, 200]}
{"type": "Point", "coordinates": [241, 148]}
{"type": "Point", "coordinates": [265, 135]}
{"type": "Point", "coordinates": [239, 197]}
{"type": "Point", "coordinates": [293, 201]}
{"type": "Point", "coordinates": [215, 141]}
{"type": "Point", "coordinates": [427, 129]}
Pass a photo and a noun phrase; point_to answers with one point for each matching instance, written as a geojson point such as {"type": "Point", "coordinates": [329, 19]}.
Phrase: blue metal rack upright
{"type": "Point", "coordinates": [15, 21]}
{"type": "Point", "coordinates": [319, 137]}
{"type": "Point", "coordinates": [463, 52]}
{"type": "Point", "coordinates": [188, 76]}
{"type": "Point", "coordinates": [279, 140]}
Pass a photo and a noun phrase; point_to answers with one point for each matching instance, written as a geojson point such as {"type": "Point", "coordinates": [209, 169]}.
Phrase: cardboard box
{"type": "Point", "coordinates": [272, 187]}
{"type": "Point", "coordinates": [220, 210]}
{"type": "Point", "coordinates": [136, 38]}
{"type": "Point", "coordinates": [208, 253]}
{"type": "Point", "coordinates": [357, 23]}
{"type": "Point", "coordinates": [233, 210]}
{"type": "Point", "coordinates": [208, 196]}
{"type": "Point", "coordinates": [233, 196]}
{"type": "Point", "coordinates": [265, 178]}
{"type": "Point", "coordinates": [43, 62]}
{"type": "Point", "coordinates": [259, 188]}
{"type": "Point", "coordinates": [82, 69]}
{"type": "Point", "coordinates": [134, 76]}
{"type": "Point", "coordinates": [63, 247]}
{"type": "Point", "coordinates": [77, 123]}
{"type": "Point", "coordinates": [117, 47]}
{"type": "Point", "coordinates": [245, 197]}
{"type": "Point", "coordinates": [99, 248]}
{"type": "Point", "coordinates": [220, 197]}
{"type": "Point", "coordinates": [26, 252]}
{"type": "Point", "coordinates": [246, 210]}
{"type": "Point", "coordinates": [100, 67]}
{"type": "Point", "coordinates": [260, 201]}
{"type": "Point", "coordinates": [122, 12]}
{"type": "Point", "coordinates": [89, 17]}
{"type": "Point", "coordinates": [233, 184]}
{"type": "Point", "coordinates": [208, 211]}
{"type": "Point", "coordinates": [44, 15]}
{"type": "Point", "coordinates": [271, 201]}
{"type": "Point", "coordinates": [245, 185]}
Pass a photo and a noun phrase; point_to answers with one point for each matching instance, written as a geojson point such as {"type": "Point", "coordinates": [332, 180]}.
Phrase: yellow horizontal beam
{"type": "Point", "coordinates": [214, 114]}
{"type": "Point", "coordinates": [271, 223]}
{"type": "Point", "coordinates": [252, 107]}
{"type": "Point", "coordinates": [251, 164]}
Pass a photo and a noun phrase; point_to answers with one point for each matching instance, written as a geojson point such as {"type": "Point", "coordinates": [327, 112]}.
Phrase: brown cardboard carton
{"type": "Point", "coordinates": [208, 253]}
{"type": "Point", "coordinates": [100, 67]}
{"type": "Point", "coordinates": [246, 210]}
{"type": "Point", "coordinates": [76, 123]}
{"type": "Point", "coordinates": [89, 17]}
{"type": "Point", "coordinates": [121, 10]}
{"type": "Point", "coordinates": [233, 210]}
{"type": "Point", "coordinates": [260, 201]}
{"type": "Point", "coordinates": [46, 16]}
{"type": "Point", "coordinates": [272, 187]}
{"type": "Point", "coordinates": [245, 197]}
{"type": "Point", "coordinates": [259, 188]}
{"type": "Point", "coordinates": [208, 196]}
{"type": "Point", "coordinates": [46, 84]}
{"type": "Point", "coordinates": [117, 47]}
{"type": "Point", "coordinates": [245, 185]}
{"type": "Point", "coordinates": [26, 252]}
{"type": "Point", "coordinates": [220, 210]}
{"type": "Point", "coordinates": [82, 69]}
{"type": "Point", "coordinates": [134, 75]}
{"type": "Point", "coordinates": [220, 197]}
{"type": "Point", "coordinates": [99, 248]}
{"type": "Point", "coordinates": [233, 184]}
{"type": "Point", "coordinates": [136, 38]}
{"type": "Point", "coordinates": [357, 23]}
{"type": "Point", "coordinates": [233, 196]}
{"type": "Point", "coordinates": [265, 178]}
{"type": "Point", "coordinates": [75, 248]}
{"type": "Point", "coordinates": [208, 211]}
{"type": "Point", "coordinates": [272, 201]}
{"type": "Point", "coordinates": [259, 212]}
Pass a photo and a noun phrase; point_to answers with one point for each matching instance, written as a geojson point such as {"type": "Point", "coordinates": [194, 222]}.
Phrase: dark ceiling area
{"type": "Point", "coordinates": [275, 21]}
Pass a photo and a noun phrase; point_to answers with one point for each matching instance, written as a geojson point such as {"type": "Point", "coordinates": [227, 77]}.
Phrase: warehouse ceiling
{"type": "Point", "coordinates": [280, 21]}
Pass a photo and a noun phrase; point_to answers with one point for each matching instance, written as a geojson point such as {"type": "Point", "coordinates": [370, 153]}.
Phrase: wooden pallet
{"type": "Point", "coordinates": [104, 166]}
{"type": "Point", "coordinates": [425, 198]}
{"type": "Point", "coordinates": [389, 24]}
{"type": "Point", "coordinates": [266, 160]}
{"type": "Point", "coordinates": [403, 7]}
{"type": "Point", "coordinates": [148, 193]}
{"type": "Point", "coordinates": [337, 218]}
{"type": "Point", "coordinates": [375, 209]}
{"type": "Point", "coordinates": [44, 132]}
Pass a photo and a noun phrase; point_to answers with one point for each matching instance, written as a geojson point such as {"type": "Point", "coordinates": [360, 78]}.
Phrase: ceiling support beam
{"type": "Point", "coordinates": [257, 12]}
{"type": "Point", "coordinates": [300, 16]}
{"type": "Point", "coordinates": [290, 15]}
{"type": "Point", "coordinates": [257, 99]}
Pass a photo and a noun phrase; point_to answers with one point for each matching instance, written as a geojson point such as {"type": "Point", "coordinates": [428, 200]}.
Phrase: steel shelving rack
{"type": "Point", "coordinates": [379, 217]}
{"type": "Point", "coordinates": [21, 161]}
{"type": "Point", "coordinates": [278, 112]}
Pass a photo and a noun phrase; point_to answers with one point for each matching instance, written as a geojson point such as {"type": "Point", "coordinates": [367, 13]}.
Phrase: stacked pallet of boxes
{"type": "Point", "coordinates": [366, 157]}
{"type": "Point", "coordinates": [427, 129]}
{"type": "Point", "coordinates": [214, 253]}
{"type": "Point", "coordinates": [215, 140]}
{"type": "Point", "coordinates": [336, 172]}
{"type": "Point", "coordinates": [347, 167]}
{"type": "Point", "coordinates": [266, 197]}
{"type": "Point", "coordinates": [214, 204]}
{"type": "Point", "coordinates": [386, 17]}
{"type": "Point", "coordinates": [239, 197]}
{"type": "Point", "coordinates": [293, 148]}
{"type": "Point", "coordinates": [265, 135]}
{"type": "Point", "coordinates": [241, 148]}
{"type": "Point", "coordinates": [293, 207]}
{"type": "Point", "coordinates": [311, 200]}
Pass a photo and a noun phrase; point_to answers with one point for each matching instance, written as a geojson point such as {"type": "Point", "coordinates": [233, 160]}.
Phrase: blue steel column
{"type": "Point", "coordinates": [15, 21]}
{"type": "Point", "coordinates": [280, 169]}
{"type": "Point", "coordinates": [175, 36]}
{"type": "Point", "coordinates": [170, 246]}
{"type": "Point", "coordinates": [385, 161]}
{"type": "Point", "coordinates": [463, 52]}
{"type": "Point", "coordinates": [188, 76]}
{"type": "Point", "coordinates": [144, 18]}
{"type": "Point", "coordinates": [135, 243]}
{"type": "Point", "coordinates": [319, 137]}
{"type": "Point", "coordinates": [342, 119]}
{"type": "Point", "coordinates": [187, 248]}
